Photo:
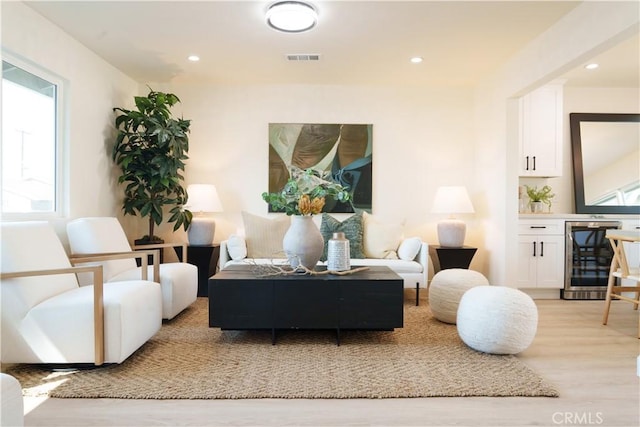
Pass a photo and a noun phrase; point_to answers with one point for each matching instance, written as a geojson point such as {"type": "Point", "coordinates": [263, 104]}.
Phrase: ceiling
{"type": "Point", "coordinates": [358, 42]}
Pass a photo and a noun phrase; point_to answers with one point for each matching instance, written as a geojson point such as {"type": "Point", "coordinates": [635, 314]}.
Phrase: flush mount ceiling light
{"type": "Point", "coordinates": [292, 16]}
{"type": "Point", "coordinates": [592, 66]}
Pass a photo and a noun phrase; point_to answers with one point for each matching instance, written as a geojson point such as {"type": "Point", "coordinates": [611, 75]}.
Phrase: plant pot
{"type": "Point", "coordinates": [146, 241]}
{"type": "Point", "coordinates": [537, 207]}
{"type": "Point", "coordinates": [303, 244]}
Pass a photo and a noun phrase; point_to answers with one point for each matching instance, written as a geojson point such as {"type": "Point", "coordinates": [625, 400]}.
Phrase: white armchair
{"type": "Point", "coordinates": [11, 403]}
{"type": "Point", "coordinates": [100, 235]}
{"type": "Point", "coordinates": [48, 318]}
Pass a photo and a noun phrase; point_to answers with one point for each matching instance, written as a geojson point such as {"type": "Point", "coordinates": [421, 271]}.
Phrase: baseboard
{"type": "Point", "coordinates": [542, 293]}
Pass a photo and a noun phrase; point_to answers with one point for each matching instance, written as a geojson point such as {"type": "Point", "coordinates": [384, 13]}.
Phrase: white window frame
{"type": "Point", "coordinates": [61, 158]}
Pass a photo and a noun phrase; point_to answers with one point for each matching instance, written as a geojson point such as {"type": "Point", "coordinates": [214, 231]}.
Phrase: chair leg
{"type": "Point", "coordinates": [607, 301]}
{"type": "Point", "coordinates": [610, 283]}
{"type": "Point", "coordinates": [417, 294]}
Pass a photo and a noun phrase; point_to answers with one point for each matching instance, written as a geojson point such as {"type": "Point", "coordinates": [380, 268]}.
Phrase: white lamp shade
{"type": "Point", "coordinates": [203, 198]}
{"type": "Point", "coordinates": [452, 200]}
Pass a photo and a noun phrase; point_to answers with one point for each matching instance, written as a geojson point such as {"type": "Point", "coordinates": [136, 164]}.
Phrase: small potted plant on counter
{"type": "Point", "coordinates": [539, 197]}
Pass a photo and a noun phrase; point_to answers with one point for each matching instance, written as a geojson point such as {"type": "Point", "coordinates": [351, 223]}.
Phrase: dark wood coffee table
{"type": "Point", "coordinates": [366, 300]}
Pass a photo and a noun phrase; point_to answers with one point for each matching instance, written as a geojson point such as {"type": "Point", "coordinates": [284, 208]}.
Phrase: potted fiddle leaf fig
{"type": "Point", "coordinates": [150, 149]}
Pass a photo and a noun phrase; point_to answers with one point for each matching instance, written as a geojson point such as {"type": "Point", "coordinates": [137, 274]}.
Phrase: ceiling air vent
{"type": "Point", "coordinates": [303, 57]}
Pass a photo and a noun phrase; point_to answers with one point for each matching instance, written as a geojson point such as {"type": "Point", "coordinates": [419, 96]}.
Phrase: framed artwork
{"type": "Point", "coordinates": [340, 153]}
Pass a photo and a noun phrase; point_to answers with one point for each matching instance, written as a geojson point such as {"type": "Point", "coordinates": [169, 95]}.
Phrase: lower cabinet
{"type": "Point", "coordinates": [540, 254]}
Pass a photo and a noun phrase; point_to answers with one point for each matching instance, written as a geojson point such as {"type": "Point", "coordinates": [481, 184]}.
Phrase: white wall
{"type": "Point", "coordinates": [421, 139]}
{"type": "Point", "coordinates": [93, 88]}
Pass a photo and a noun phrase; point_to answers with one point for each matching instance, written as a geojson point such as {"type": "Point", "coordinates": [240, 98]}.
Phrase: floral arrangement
{"type": "Point", "coordinates": [305, 193]}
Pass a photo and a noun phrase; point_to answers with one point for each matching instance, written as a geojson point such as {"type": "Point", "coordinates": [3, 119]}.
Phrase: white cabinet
{"type": "Point", "coordinates": [540, 254]}
{"type": "Point", "coordinates": [541, 132]}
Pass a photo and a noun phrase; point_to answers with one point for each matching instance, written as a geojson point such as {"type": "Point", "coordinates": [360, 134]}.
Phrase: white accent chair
{"type": "Point", "coordinates": [47, 317]}
{"type": "Point", "coordinates": [101, 235]}
{"type": "Point", "coordinates": [11, 403]}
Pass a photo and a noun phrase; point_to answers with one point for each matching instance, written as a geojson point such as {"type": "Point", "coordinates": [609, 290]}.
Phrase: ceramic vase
{"type": "Point", "coordinates": [536, 207]}
{"type": "Point", "coordinates": [303, 244]}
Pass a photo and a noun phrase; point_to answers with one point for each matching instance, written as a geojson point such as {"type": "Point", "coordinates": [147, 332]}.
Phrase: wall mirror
{"type": "Point", "coordinates": [606, 162]}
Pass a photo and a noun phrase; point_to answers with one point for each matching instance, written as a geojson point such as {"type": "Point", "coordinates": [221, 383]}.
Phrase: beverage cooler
{"type": "Point", "coordinates": [588, 259]}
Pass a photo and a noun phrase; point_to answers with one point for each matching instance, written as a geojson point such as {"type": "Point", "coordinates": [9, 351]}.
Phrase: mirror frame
{"type": "Point", "coordinates": [578, 172]}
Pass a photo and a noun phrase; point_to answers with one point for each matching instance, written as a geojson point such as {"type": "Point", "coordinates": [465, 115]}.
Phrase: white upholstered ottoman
{"type": "Point", "coordinates": [446, 289]}
{"type": "Point", "coordinates": [497, 319]}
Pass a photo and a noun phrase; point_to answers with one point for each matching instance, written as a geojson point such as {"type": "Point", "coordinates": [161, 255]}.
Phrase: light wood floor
{"type": "Point", "coordinates": [593, 366]}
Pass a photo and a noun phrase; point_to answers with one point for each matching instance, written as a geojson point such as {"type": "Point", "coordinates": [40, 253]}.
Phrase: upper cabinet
{"type": "Point", "coordinates": [541, 132]}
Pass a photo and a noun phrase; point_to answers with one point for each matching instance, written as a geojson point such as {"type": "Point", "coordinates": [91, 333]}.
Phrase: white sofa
{"type": "Point", "coordinates": [413, 270]}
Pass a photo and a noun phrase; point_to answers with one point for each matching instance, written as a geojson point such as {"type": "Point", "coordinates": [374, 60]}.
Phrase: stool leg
{"type": "Point", "coordinates": [610, 283]}
{"type": "Point", "coordinates": [607, 301]}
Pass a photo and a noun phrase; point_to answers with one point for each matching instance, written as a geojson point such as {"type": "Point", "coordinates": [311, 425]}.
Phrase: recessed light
{"type": "Point", "coordinates": [416, 59]}
{"type": "Point", "coordinates": [591, 66]}
{"type": "Point", "coordinates": [193, 58]}
{"type": "Point", "coordinates": [292, 16]}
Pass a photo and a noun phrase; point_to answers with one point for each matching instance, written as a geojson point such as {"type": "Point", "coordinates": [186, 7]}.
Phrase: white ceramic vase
{"type": "Point", "coordinates": [537, 207]}
{"type": "Point", "coordinates": [303, 243]}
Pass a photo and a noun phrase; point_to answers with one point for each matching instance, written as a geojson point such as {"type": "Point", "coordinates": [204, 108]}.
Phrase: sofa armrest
{"type": "Point", "coordinates": [224, 254]}
{"type": "Point", "coordinates": [98, 299]}
{"type": "Point", "coordinates": [423, 259]}
{"type": "Point", "coordinates": [138, 254]}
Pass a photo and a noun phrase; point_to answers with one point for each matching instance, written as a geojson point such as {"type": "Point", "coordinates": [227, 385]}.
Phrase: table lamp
{"type": "Point", "coordinates": [452, 200]}
{"type": "Point", "coordinates": [202, 198]}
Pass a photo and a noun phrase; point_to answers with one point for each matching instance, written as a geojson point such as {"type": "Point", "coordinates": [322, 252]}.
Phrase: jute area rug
{"type": "Point", "coordinates": [189, 360]}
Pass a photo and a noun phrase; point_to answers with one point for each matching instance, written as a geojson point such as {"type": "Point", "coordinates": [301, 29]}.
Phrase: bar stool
{"type": "Point", "coordinates": [620, 270]}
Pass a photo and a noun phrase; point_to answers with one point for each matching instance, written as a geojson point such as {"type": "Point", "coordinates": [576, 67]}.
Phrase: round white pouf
{"type": "Point", "coordinates": [497, 319]}
{"type": "Point", "coordinates": [446, 289]}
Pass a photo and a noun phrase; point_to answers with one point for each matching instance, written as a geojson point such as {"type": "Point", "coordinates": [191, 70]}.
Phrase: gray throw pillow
{"type": "Point", "coordinates": [352, 229]}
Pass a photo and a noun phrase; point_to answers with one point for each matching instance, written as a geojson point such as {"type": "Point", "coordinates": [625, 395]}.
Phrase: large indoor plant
{"type": "Point", "coordinates": [150, 149]}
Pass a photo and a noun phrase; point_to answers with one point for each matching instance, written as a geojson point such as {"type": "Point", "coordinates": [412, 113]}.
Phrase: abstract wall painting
{"type": "Point", "coordinates": [340, 153]}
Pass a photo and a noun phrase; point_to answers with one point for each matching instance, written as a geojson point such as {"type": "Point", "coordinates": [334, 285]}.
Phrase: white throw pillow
{"type": "Point", "coordinates": [380, 240]}
{"type": "Point", "coordinates": [237, 247]}
{"type": "Point", "coordinates": [264, 236]}
{"type": "Point", "coordinates": [409, 248]}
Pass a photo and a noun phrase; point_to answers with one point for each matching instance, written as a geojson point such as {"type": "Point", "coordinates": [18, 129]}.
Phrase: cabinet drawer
{"type": "Point", "coordinates": [541, 227]}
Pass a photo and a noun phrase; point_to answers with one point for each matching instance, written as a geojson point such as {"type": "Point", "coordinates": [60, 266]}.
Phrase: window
{"type": "Point", "coordinates": [31, 142]}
